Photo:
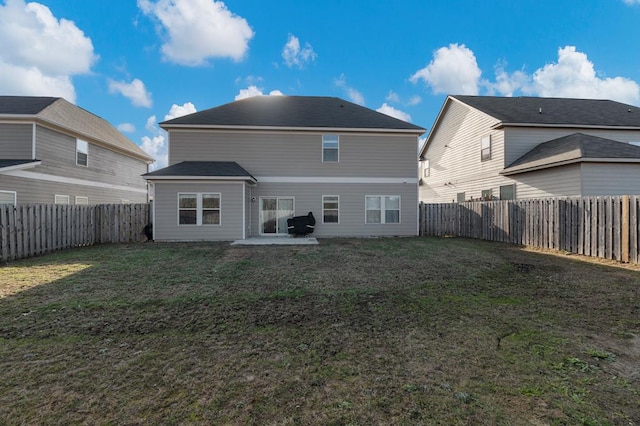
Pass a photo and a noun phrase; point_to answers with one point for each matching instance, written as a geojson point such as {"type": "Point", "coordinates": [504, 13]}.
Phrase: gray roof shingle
{"type": "Point", "coordinates": [555, 111]}
{"type": "Point", "coordinates": [13, 162]}
{"type": "Point", "coordinates": [293, 111]}
{"type": "Point", "coordinates": [573, 148]}
{"type": "Point", "coordinates": [24, 105]}
{"type": "Point", "coordinates": [213, 169]}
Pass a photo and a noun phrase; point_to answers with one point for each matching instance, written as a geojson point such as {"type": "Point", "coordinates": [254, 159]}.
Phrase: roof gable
{"type": "Point", "coordinates": [59, 112]}
{"type": "Point", "coordinates": [293, 112]}
{"type": "Point", "coordinates": [573, 148]}
{"type": "Point", "coordinates": [555, 111]}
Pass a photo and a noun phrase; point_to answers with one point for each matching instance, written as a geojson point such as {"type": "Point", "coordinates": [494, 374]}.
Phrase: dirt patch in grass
{"type": "Point", "coordinates": [370, 331]}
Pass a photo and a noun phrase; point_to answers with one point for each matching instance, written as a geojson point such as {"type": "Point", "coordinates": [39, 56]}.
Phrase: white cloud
{"type": "Point", "coordinates": [126, 127]}
{"type": "Point", "coordinates": [156, 147]}
{"type": "Point", "coordinates": [255, 91]}
{"type": "Point", "coordinates": [180, 110]}
{"type": "Point", "coordinates": [196, 30]}
{"type": "Point", "coordinates": [393, 97]}
{"type": "Point", "coordinates": [293, 55]}
{"type": "Point", "coordinates": [354, 95]}
{"type": "Point", "coordinates": [574, 76]}
{"type": "Point", "coordinates": [40, 53]}
{"type": "Point", "coordinates": [414, 100]}
{"type": "Point", "coordinates": [156, 144]}
{"type": "Point", "coordinates": [453, 69]}
{"type": "Point", "coordinates": [393, 112]}
{"type": "Point", "coordinates": [632, 2]}
{"type": "Point", "coordinates": [135, 91]}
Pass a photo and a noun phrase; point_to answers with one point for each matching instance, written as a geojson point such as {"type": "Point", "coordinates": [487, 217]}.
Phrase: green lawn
{"type": "Point", "coordinates": [353, 331]}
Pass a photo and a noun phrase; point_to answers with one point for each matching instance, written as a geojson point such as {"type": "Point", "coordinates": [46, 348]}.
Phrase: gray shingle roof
{"type": "Point", "coordinates": [556, 111]}
{"type": "Point", "coordinates": [62, 113]}
{"type": "Point", "coordinates": [211, 169]}
{"type": "Point", "coordinates": [24, 105]}
{"type": "Point", "coordinates": [573, 148]}
{"type": "Point", "coordinates": [293, 111]}
{"type": "Point", "coordinates": [13, 162]}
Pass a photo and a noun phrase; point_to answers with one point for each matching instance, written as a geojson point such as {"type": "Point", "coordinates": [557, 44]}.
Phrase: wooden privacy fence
{"type": "Point", "coordinates": [30, 230]}
{"type": "Point", "coordinates": [605, 227]}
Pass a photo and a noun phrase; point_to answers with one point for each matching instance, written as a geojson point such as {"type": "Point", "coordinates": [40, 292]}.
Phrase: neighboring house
{"type": "Point", "coordinates": [52, 151]}
{"type": "Point", "coordinates": [484, 147]}
{"type": "Point", "coordinates": [243, 168]}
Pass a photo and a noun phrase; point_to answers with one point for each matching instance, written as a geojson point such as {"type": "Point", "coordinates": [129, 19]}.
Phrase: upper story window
{"type": "Point", "coordinates": [198, 209]}
{"type": "Point", "coordinates": [330, 148]}
{"type": "Point", "coordinates": [82, 152]}
{"type": "Point", "coordinates": [7, 198]}
{"type": "Point", "coordinates": [426, 167]}
{"type": "Point", "coordinates": [485, 148]}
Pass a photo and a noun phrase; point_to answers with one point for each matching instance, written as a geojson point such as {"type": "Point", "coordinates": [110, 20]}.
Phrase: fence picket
{"type": "Point", "coordinates": [31, 230]}
{"type": "Point", "coordinates": [606, 227]}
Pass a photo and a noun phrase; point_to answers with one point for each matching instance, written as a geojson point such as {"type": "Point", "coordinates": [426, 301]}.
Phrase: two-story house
{"type": "Point", "coordinates": [485, 147]}
{"type": "Point", "coordinates": [52, 151]}
{"type": "Point", "coordinates": [243, 168]}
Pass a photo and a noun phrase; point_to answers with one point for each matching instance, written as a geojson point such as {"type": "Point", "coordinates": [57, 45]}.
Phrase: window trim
{"type": "Point", "coordinates": [80, 197]}
{"type": "Point", "coordinates": [61, 197]}
{"type": "Point", "coordinates": [337, 210]}
{"type": "Point", "coordinates": [426, 168]}
{"type": "Point", "coordinates": [383, 210]}
{"type": "Point", "coordinates": [485, 151]}
{"type": "Point", "coordinates": [79, 150]}
{"type": "Point", "coordinates": [199, 209]}
{"type": "Point", "coordinates": [513, 191]}
{"type": "Point", "coordinates": [337, 148]}
{"type": "Point", "coordinates": [15, 198]}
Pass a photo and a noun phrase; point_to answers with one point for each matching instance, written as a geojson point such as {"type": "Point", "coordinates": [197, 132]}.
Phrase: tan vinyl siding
{"type": "Point", "coordinates": [308, 198]}
{"type": "Point", "coordinates": [549, 183]}
{"type": "Point", "coordinates": [31, 191]}
{"type": "Point", "coordinates": [610, 179]}
{"type": "Point", "coordinates": [298, 153]}
{"type": "Point", "coordinates": [58, 154]}
{"type": "Point", "coordinates": [16, 141]}
{"type": "Point", "coordinates": [454, 156]}
{"type": "Point", "coordinates": [524, 139]}
{"type": "Point", "coordinates": [166, 226]}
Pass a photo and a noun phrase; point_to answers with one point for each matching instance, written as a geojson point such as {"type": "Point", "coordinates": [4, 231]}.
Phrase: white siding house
{"type": "Point", "coordinates": [484, 147]}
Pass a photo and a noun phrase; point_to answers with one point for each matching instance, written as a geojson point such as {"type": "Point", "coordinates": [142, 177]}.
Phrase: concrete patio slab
{"type": "Point", "coordinates": [271, 241]}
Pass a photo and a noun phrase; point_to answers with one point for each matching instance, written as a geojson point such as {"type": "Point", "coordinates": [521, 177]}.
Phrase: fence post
{"type": "Point", "coordinates": [625, 229]}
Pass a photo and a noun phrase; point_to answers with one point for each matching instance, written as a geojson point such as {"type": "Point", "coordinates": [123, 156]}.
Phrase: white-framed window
{"type": "Point", "coordinates": [124, 201]}
{"type": "Point", "coordinates": [60, 199]}
{"type": "Point", "coordinates": [82, 152]}
{"type": "Point", "coordinates": [330, 209]}
{"type": "Point", "coordinates": [487, 195]}
{"type": "Point", "coordinates": [508, 192]}
{"type": "Point", "coordinates": [460, 197]}
{"type": "Point", "coordinates": [199, 208]}
{"type": "Point", "coordinates": [330, 148]}
{"type": "Point", "coordinates": [485, 153]}
{"type": "Point", "coordinates": [82, 201]}
{"type": "Point", "coordinates": [382, 209]}
{"type": "Point", "coordinates": [426, 167]}
{"type": "Point", "coordinates": [8, 198]}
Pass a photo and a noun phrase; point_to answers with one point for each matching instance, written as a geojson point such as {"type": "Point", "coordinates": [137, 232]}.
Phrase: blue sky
{"type": "Point", "coordinates": [139, 62]}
